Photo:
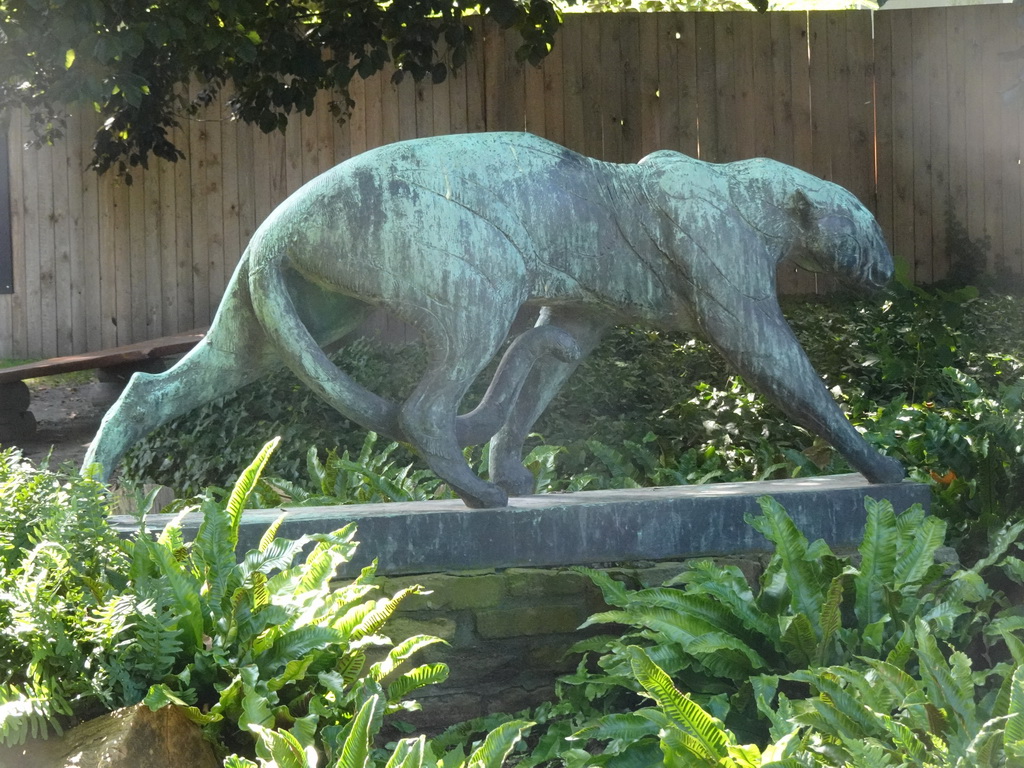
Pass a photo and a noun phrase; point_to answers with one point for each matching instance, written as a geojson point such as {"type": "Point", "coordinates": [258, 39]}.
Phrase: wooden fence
{"type": "Point", "coordinates": [911, 110]}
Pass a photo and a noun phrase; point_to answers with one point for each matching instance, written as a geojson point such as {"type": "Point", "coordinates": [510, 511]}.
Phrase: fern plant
{"type": "Point", "coordinates": [812, 608]}
{"type": "Point", "coordinates": [238, 639]}
{"type": "Point", "coordinates": [878, 714]}
{"type": "Point", "coordinates": [289, 749]}
{"type": "Point", "coordinates": [263, 638]}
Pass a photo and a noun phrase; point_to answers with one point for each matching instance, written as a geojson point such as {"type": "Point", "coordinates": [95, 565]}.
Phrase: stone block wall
{"type": "Point", "coordinates": [508, 631]}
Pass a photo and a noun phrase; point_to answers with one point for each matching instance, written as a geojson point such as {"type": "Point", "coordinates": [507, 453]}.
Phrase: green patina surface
{"type": "Point", "coordinates": [455, 235]}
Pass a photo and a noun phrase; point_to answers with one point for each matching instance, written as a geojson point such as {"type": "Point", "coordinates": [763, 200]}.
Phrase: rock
{"type": "Point", "coordinates": [133, 737]}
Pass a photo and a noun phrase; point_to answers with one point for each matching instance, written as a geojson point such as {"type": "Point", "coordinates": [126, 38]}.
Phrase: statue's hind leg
{"type": "Point", "coordinates": [459, 349]}
{"type": "Point", "coordinates": [547, 378]}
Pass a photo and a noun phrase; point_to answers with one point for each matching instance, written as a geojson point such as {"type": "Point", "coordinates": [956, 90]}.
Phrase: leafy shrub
{"type": "Point", "coordinates": [263, 641]}
{"type": "Point", "coordinates": [58, 561]}
{"type": "Point", "coordinates": [763, 669]}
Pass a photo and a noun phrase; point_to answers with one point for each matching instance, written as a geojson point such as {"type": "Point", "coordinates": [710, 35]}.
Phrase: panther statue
{"type": "Point", "coordinates": [456, 234]}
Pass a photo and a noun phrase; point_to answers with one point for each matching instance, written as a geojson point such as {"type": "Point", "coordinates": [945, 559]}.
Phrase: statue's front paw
{"type": "Point", "coordinates": [885, 470]}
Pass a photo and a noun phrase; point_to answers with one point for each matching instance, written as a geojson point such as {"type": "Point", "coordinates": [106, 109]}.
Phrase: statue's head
{"type": "Point", "coordinates": [835, 233]}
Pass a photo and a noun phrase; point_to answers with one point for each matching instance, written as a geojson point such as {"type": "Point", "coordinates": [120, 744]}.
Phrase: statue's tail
{"type": "Point", "coordinates": [277, 313]}
{"type": "Point", "coordinates": [280, 319]}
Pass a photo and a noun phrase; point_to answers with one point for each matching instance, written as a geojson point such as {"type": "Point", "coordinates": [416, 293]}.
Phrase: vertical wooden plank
{"type": "Point", "coordinates": [1008, 40]}
{"type": "Point", "coordinates": [122, 276]}
{"type": "Point", "coordinates": [200, 223]}
{"type": "Point", "coordinates": [61, 221]}
{"type": "Point", "coordinates": [167, 251]}
{"type": "Point", "coordinates": [553, 93]}
{"type": "Point", "coordinates": [533, 100]}
{"type": "Point", "coordinates": [800, 75]}
{"type": "Point", "coordinates": [974, 81]}
{"type": "Point", "coordinates": [818, 81]}
{"type": "Point", "coordinates": [859, 68]}
{"type": "Point", "coordinates": [922, 148]}
{"type": "Point", "coordinates": [17, 340]}
{"type": "Point", "coordinates": [374, 112]}
{"type": "Point", "coordinates": [476, 78]}
{"type": "Point", "coordinates": [763, 96]}
{"type": "Point", "coordinates": [212, 202]}
{"type": "Point", "coordinates": [88, 240]}
{"type": "Point", "coordinates": [293, 152]}
{"type": "Point", "coordinates": [594, 111]}
{"type": "Point", "coordinates": [938, 122]}
{"type": "Point", "coordinates": [779, 54]}
{"type": "Point", "coordinates": [232, 196]}
{"type": "Point", "coordinates": [135, 235]}
{"type": "Point", "coordinates": [407, 108]}
{"type": "Point", "coordinates": [991, 138]}
{"type": "Point", "coordinates": [246, 138]}
{"type": "Point", "coordinates": [47, 286]}
{"type": "Point", "coordinates": [648, 82]}
{"type": "Point", "coordinates": [504, 78]}
{"type": "Point", "coordinates": [632, 95]}
{"type": "Point", "coordinates": [33, 250]}
{"type": "Point", "coordinates": [791, 115]}
{"type": "Point", "coordinates": [884, 192]}
{"type": "Point", "coordinates": [390, 119]}
{"type": "Point", "coordinates": [184, 242]}
{"type": "Point", "coordinates": [611, 86]}
{"type": "Point", "coordinates": [744, 103]}
{"type": "Point", "coordinates": [6, 239]}
{"type": "Point", "coordinates": [79, 253]}
{"type": "Point", "coordinates": [155, 293]}
{"type": "Point", "coordinates": [325, 122]}
{"type": "Point", "coordinates": [356, 121]}
{"type": "Point", "coordinates": [957, 135]}
{"type": "Point", "coordinates": [423, 113]}
{"type": "Point", "coordinates": [707, 87]}
{"type": "Point", "coordinates": [440, 103]}
{"type": "Point", "coordinates": [902, 237]}
{"type": "Point", "coordinates": [458, 120]}
{"type": "Point", "coordinates": [690, 94]}
{"type": "Point", "coordinates": [572, 82]}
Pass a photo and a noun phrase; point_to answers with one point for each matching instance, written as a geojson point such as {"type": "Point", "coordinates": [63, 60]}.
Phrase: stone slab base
{"type": "Point", "coordinates": [615, 526]}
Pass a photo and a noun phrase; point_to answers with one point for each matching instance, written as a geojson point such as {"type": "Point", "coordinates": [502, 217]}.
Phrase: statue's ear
{"type": "Point", "coordinates": [802, 208]}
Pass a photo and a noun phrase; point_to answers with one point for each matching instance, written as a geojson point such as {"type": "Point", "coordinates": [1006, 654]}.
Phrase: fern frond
{"type": "Point", "coordinates": [268, 535]}
{"type": "Point", "coordinates": [355, 752]}
{"type": "Point", "coordinates": [878, 560]}
{"type": "Point", "coordinates": [426, 674]}
{"type": "Point", "coordinates": [915, 561]}
{"type": "Point", "coordinates": [497, 745]}
{"type": "Point", "coordinates": [244, 486]}
{"type": "Point", "coordinates": [687, 715]}
{"type": "Point", "coordinates": [804, 581]}
{"type": "Point", "coordinates": [401, 653]}
{"type": "Point", "coordinates": [26, 713]}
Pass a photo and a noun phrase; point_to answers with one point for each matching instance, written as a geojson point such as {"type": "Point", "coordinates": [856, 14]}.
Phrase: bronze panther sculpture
{"type": "Point", "coordinates": [456, 234]}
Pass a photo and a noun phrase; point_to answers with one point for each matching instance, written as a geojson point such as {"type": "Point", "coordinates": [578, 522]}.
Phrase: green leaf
{"type": "Point", "coordinates": [687, 715]}
{"type": "Point", "coordinates": [803, 580]}
{"type": "Point", "coordinates": [411, 753]}
{"type": "Point", "coordinates": [497, 745]}
{"type": "Point", "coordinates": [355, 752]}
{"type": "Point", "coordinates": [244, 486]}
{"type": "Point", "coordinates": [878, 561]}
{"type": "Point", "coordinates": [1014, 729]}
{"type": "Point", "coordinates": [915, 561]}
{"type": "Point", "coordinates": [423, 675]}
